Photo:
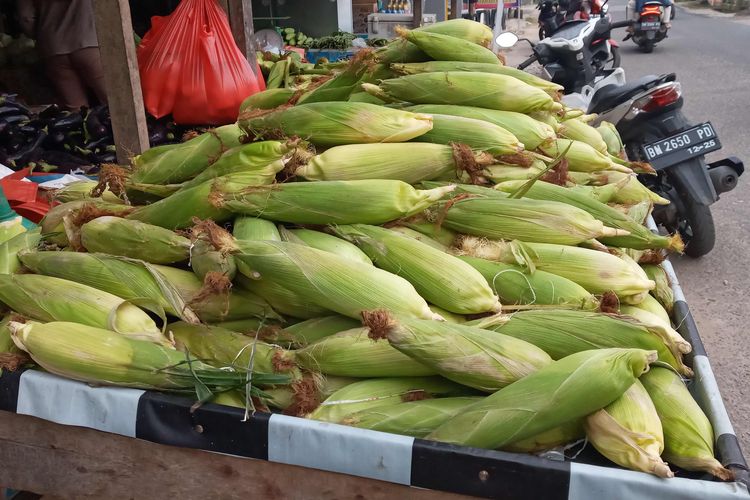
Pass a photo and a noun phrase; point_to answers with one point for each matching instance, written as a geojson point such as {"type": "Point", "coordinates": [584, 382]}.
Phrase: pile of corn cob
{"type": "Point", "coordinates": [448, 254]}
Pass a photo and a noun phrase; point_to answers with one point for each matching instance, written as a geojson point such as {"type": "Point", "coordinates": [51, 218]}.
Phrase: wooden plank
{"type": "Point", "coordinates": [75, 462]}
{"type": "Point", "coordinates": [240, 14]}
{"type": "Point", "coordinates": [121, 77]}
{"type": "Point", "coordinates": [456, 8]}
{"type": "Point", "coordinates": [416, 8]}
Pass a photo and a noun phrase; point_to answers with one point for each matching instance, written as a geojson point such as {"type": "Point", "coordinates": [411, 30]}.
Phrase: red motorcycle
{"type": "Point", "coordinates": [650, 27]}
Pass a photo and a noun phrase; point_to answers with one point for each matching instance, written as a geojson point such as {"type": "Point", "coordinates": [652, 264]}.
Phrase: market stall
{"type": "Point", "coordinates": [457, 292]}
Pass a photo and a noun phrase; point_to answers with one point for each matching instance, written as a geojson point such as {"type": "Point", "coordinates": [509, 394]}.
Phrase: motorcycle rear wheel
{"type": "Point", "coordinates": [697, 229]}
{"type": "Point", "coordinates": [647, 47]}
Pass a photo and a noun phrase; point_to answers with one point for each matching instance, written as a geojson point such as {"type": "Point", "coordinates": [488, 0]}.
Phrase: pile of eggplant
{"type": "Point", "coordinates": [55, 140]}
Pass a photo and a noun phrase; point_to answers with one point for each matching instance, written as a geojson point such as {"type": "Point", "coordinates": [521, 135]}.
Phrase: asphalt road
{"type": "Point", "coordinates": [710, 53]}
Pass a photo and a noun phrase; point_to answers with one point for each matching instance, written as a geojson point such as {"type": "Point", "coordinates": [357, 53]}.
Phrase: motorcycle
{"type": "Point", "coordinates": [650, 29]}
{"type": "Point", "coordinates": [554, 14]}
{"type": "Point", "coordinates": [648, 115]}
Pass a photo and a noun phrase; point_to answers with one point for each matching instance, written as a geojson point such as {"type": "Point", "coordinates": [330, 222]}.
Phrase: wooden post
{"type": "Point", "coordinates": [114, 28]}
{"type": "Point", "coordinates": [416, 8]}
{"type": "Point", "coordinates": [457, 7]}
{"type": "Point", "coordinates": [240, 14]}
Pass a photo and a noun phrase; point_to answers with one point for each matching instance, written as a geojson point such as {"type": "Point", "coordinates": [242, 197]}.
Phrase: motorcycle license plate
{"type": "Point", "coordinates": [651, 26]}
{"type": "Point", "coordinates": [695, 141]}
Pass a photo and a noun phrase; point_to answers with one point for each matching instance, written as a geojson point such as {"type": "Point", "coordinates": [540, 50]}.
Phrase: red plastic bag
{"type": "Point", "coordinates": [191, 67]}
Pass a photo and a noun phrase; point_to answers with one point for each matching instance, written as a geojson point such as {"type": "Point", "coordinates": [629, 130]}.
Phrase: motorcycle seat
{"type": "Point", "coordinates": [611, 95]}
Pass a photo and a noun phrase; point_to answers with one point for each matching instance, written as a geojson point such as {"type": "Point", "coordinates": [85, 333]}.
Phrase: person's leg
{"type": "Point", "coordinates": [667, 17]}
{"type": "Point", "coordinates": [632, 11]}
{"type": "Point", "coordinates": [88, 64]}
{"type": "Point", "coordinates": [65, 79]}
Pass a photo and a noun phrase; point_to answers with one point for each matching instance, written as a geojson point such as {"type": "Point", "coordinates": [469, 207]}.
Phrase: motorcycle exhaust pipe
{"type": "Point", "coordinates": [724, 178]}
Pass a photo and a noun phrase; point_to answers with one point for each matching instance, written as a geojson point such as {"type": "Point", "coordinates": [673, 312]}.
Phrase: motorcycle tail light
{"type": "Point", "coordinates": [659, 97]}
{"type": "Point", "coordinates": [651, 11]}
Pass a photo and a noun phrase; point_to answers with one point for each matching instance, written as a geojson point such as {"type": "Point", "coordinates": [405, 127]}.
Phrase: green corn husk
{"type": "Point", "coordinates": [628, 432]}
{"type": "Point", "coordinates": [524, 220]}
{"type": "Point", "coordinates": [334, 202]}
{"type": "Point", "coordinates": [663, 291]}
{"type": "Point", "coordinates": [688, 435]}
{"type": "Point", "coordinates": [352, 353]}
{"type": "Point", "coordinates": [565, 390]}
{"type": "Point", "coordinates": [325, 242]}
{"type": "Point", "coordinates": [440, 278]}
{"type": "Point", "coordinates": [204, 259]}
{"type": "Point", "coordinates": [558, 436]}
{"type": "Point", "coordinates": [475, 67]}
{"type": "Point", "coordinates": [602, 193]}
{"type": "Point", "coordinates": [137, 240]}
{"type": "Point", "coordinates": [653, 306]}
{"type": "Point", "coordinates": [128, 279]}
{"type": "Point", "coordinates": [337, 123]}
{"type": "Point", "coordinates": [303, 396]}
{"type": "Point", "coordinates": [267, 99]}
{"type": "Point", "coordinates": [416, 235]}
{"type": "Point", "coordinates": [612, 138]}
{"type": "Point", "coordinates": [579, 131]}
{"type": "Point", "coordinates": [640, 211]}
{"type": "Point", "coordinates": [515, 285]}
{"type": "Point", "coordinates": [440, 234]}
{"type": "Point", "coordinates": [340, 86]}
{"type": "Point", "coordinates": [10, 249]}
{"type": "Point", "coordinates": [314, 329]}
{"type": "Point", "coordinates": [529, 131]}
{"type": "Point", "coordinates": [235, 399]}
{"type": "Point", "coordinates": [410, 163]}
{"type": "Point", "coordinates": [339, 285]}
{"type": "Point", "coordinates": [470, 356]}
{"type": "Point", "coordinates": [140, 193]}
{"type": "Point", "coordinates": [484, 90]}
{"type": "Point", "coordinates": [246, 325]}
{"type": "Point", "coordinates": [447, 315]}
{"type": "Point", "coordinates": [503, 172]}
{"type": "Point", "coordinates": [399, 51]}
{"type": "Point", "coordinates": [53, 227]}
{"type": "Point", "coordinates": [631, 191]}
{"type": "Point", "coordinates": [640, 237]}
{"type": "Point", "coordinates": [561, 333]}
{"type": "Point", "coordinates": [598, 272]}
{"type": "Point", "coordinates": [280, 298]}
{"type": "Point", "coordinates": [255, 229]}
{"type": "Point", "coordinates": [550, 119]}
{"type": "Point", "coordinates": [581, 157]}
{"type": "Point", "coordinates": [375, 392]}
{"type": "Point", "coordinates": [98, 356]}
{"type": "Point", "coordinates": [477, 134]}
{"type": "Point", "coordinates": [81, 190]}
{"type": "Point", "coordinates": [176, 164]}
{"type": "Point", "coordinates": [657, 324]}
{"type": "Point", "coordinates": [11, 228]}
{"type": "Point", "coordinates": [259, 161]}
{"type": "Point", "coordinates": [201, 201]}
{"type": "Point", "coordinates": [219, 347]}
{"type": "Point", "coordinates": [448, 48]}
{"type": "Point", "coordinates": [46, 298]}
{"type": "Point", "coordinates": [11, 357]}
{"type": "Point", "coordinates": [415, 418]}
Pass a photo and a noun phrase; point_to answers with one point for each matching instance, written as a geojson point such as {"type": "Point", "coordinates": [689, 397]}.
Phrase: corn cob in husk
{"type": "Point", "coordinates": [515, 285]}
{"type": "Point", "coordinates": [45, 298]}
{"type": "Point", "coordinates": [314, 329]}
{"type": "Point", "coordinates": [267, 99]}
{"type": "Point", "coordinates": [442, 47]}
{"type": "Point", "coordinates": [351, 353]}
{"type": "Point", "coordinates": [409, 163]}
{"type": "Point", "coordinates": [219, 347]}
{"type": "Point", "coordinates": [640, 237]}
{"type": "Point", "coordinates": [337, 123]}
{"type": "Point", "coordinates": [566, 433]}
{"type": "Point", "coordinates": [598, 272]}
{"type": "Point", "coordinates": [205, 259]}
{"type": "Point", "coordinates": [414, 418]}
{"type": "Point", "coordinates": [440, 278]}
{"type": "Point", "coordinates": [98, 356]}
{"type": "Point", "coordinates": [82, 190]}
{"type": "Point", "coordinates": [254, 229]}
{"type": "Point", "coordinates": [657, 324]}
{"type": "Point", "coordinates": [611, 137]}
{"type": "Point", "coordinates": [561, 333]}
{"type": "Point", "coordinates": [438, 233]}
{"type": "Point", "coordinates": [134, 239]}
{"type": "Point", "coordinates": [10, 249]}
{"type": "Point", "coordinates": [628, 432]}
{"type": "Point", "coordinates": [565, 390]}
{"type": "Point", "coordinates": [258, 161]}
{"type": "Point", "coordinates": [475, 67]}
{"type": "Point", "coordinates": [11, 356]}
{"type": "Point", "coordinates": [530, 132]}
{"type": "Point", "coordinates": [375, 392]}
{"type": "Point", "coordinates": [325, 242]}
{"type": "Point", "coordinates": [688, 435]}
{"type": "Point", "coordinates": [11, 228]}
{"type": "Point", "coordinates": [484, 90]}
{"type": "Point", "coordinates": [280, 298]}
{"type": "Point", "coordinates": [581, 157]}
{"type": "Point", "coordinates": [631, 190]}
{"type": "Point", "coordinates": [340, 285]}
{"type": "Point", "coordinates": [53, 225]}
{"type": "Point", "coordinates": [579, 131]}
{"type": "Point", "coordinates": [524, 220]}
{"type": "Point", "coordinates": [504, 172]}
{"type": "Point", "coordinates": [332, 202]}
{"type": "Point", "coordinates": [416, 235]}
{"type": "Point", "coordinates": [173, 164]}
{"type": "Point", "coordinates": [470, 356]}
{"type": "Point", "coordinates": [650, 304]}
{"type": "Point", "coordinates": [663, 290]}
